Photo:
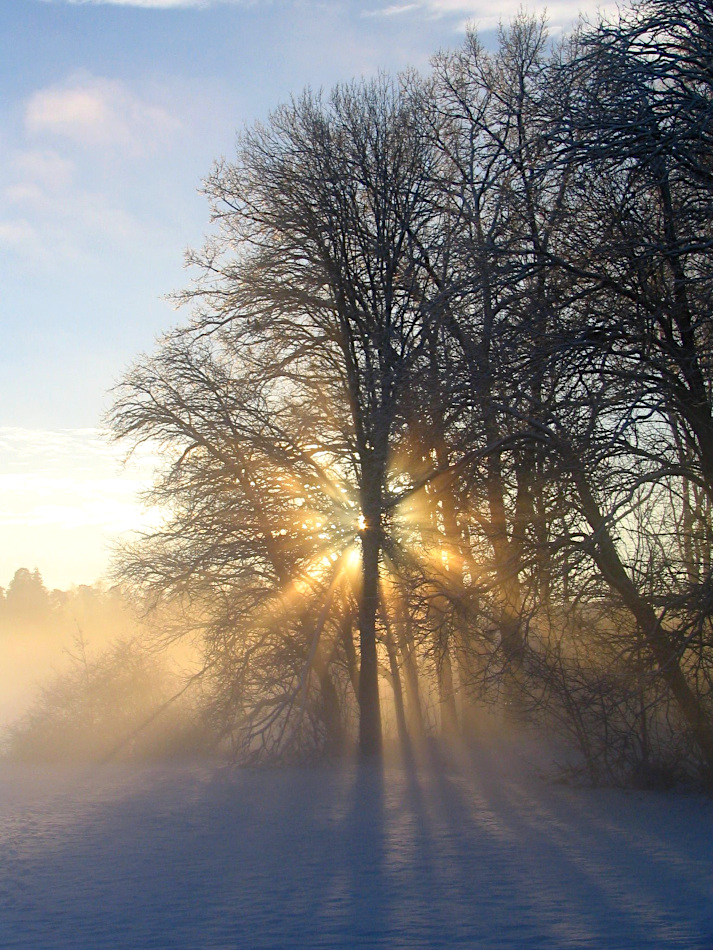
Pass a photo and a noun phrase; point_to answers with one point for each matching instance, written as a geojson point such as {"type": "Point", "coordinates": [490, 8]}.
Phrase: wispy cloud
{"type": "Point", "coordinates": [94, 111]}
{"type": "Point", "coordinates": [46, 168]}
{"type": "Point", "coordinates": [394, 9]}
{"type": "Point", "coordinates": [157, 4]}
{"type": "Point", "coordinates": [63, 228]}
{"type": "Point", "coordinates": [485, 14]}
{"type": "Point", "coordinates": [35, 180]}
{"type": "Point", "coordinates": [18, 234]}
{"type": "Point", "coordinates": [61, 195]}
{"type": "Point", "coordinates": [147, 4]}
{"type": "Point", "coordinates": [44, 450]}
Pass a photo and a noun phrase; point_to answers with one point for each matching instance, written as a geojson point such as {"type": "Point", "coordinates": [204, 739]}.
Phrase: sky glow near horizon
{"type": "Point", "coordinates": [65, 495]}
{"type": "Point", "coordinates": [111, 113]}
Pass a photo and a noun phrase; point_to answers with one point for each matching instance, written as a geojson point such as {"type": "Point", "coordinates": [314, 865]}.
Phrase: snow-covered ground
{"type": "Point", "coordinates": [479, 854]}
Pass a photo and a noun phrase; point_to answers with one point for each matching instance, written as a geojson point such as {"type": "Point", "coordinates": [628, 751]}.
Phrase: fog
{"type": "Point", "coordinates": [39, 629]}
{"type": "Point", "coordinates": [456, 844]}
{"type": "Point", "coordinates": [84, 676]}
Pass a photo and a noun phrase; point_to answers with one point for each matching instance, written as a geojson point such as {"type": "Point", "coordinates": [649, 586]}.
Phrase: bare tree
{"type": "Point", "coordinates": [316, 272]}
{"type": "Point", "coordinates": [459, 328]}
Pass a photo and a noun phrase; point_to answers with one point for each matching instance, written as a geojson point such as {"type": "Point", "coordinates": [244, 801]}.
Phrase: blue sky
{"type": "Point", "coordinates": [110, 115]}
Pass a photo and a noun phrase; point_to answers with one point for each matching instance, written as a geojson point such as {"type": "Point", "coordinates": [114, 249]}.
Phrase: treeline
{"type": "Point", "coordinates": [439, 430]}
{"type": "Point", "coordinates": [97, 612]}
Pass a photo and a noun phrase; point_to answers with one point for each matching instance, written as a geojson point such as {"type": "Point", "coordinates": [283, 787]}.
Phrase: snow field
{"type": "Point", "coordinates": [480, 854]}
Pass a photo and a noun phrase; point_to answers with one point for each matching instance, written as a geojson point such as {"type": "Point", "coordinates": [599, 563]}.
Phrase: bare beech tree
{"type": "Point", "coordinates": [246, 508]}
{"type": "Point", "coordinates": [317, 270]}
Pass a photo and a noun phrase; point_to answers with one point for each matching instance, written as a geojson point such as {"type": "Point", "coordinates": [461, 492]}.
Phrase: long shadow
{"type": "Point", "coordinates": [393, 875]}
{"type": "Point", "coordinates": [563, 878]}
{"type": "Point", "coordinates": [177, 857]}
{"type": "Point", "coordinates": [363, 913]}
{"type": "Point", "coordinates": [452, 852]}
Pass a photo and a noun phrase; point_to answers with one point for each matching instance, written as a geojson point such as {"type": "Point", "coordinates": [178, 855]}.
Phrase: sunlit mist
{"type": "Point", "coordinates": [65, 496]}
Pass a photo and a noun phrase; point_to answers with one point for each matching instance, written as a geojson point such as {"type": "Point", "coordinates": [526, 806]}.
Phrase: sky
{"type": "Point", "coordinates": [111, 114]}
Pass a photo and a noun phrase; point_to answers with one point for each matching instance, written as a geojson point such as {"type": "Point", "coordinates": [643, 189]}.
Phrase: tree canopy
{"type": "Point", "coordinates": [439, 429]}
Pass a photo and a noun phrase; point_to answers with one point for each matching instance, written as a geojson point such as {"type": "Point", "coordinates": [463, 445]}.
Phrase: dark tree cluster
{"type": "Point", "coordinates": [26, 601]}
{"type": "Point", "coordinates": [439, 431]}
{"type": "Point", "coordinates": [27, 608]}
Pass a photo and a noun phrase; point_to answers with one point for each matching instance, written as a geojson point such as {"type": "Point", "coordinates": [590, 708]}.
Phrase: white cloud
{"type": "Point", "coordinates": [25, 193]}
{"type": "Point", "coordinates": [45, 168]}
{"type": "Point", "coordinates": [394, 10]}
{"type": "Point", "coordinates": [94, 111]}
{"type": "Point", "coordinates": [486, 15]}
{"type": "Point", "coordinates": [55, 207]}
{"type": "Point", "coordinates": [52, 450]}
{"type": "Point", "coordinates": [39, 177]}
{"type": "Point", "coordinates": [56, 231]}
{"type": "Point", "coordinates": [147, 4]}
{"type": "Point", "coordinates": [17, 235]}
{"type": "Point", "coordinates": [158, 4]}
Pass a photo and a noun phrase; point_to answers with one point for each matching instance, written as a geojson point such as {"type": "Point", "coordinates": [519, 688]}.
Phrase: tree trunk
{"type": "Point", "coordinates": [333, 722]}
{"type": "Point", "coordinates": [404, 639]}
{"type": "Point", "coordinates": [401, 726]}
{"type": "Point", "coordinates": [347, 636]}
{"type": "Point", "coordinates": [369, 709]}
{"type": "Point", "coordinates": [447, 697]}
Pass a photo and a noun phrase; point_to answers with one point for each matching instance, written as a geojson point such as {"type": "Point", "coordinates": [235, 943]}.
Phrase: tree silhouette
{"type": "Point", "coordinates": [448, 377]}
